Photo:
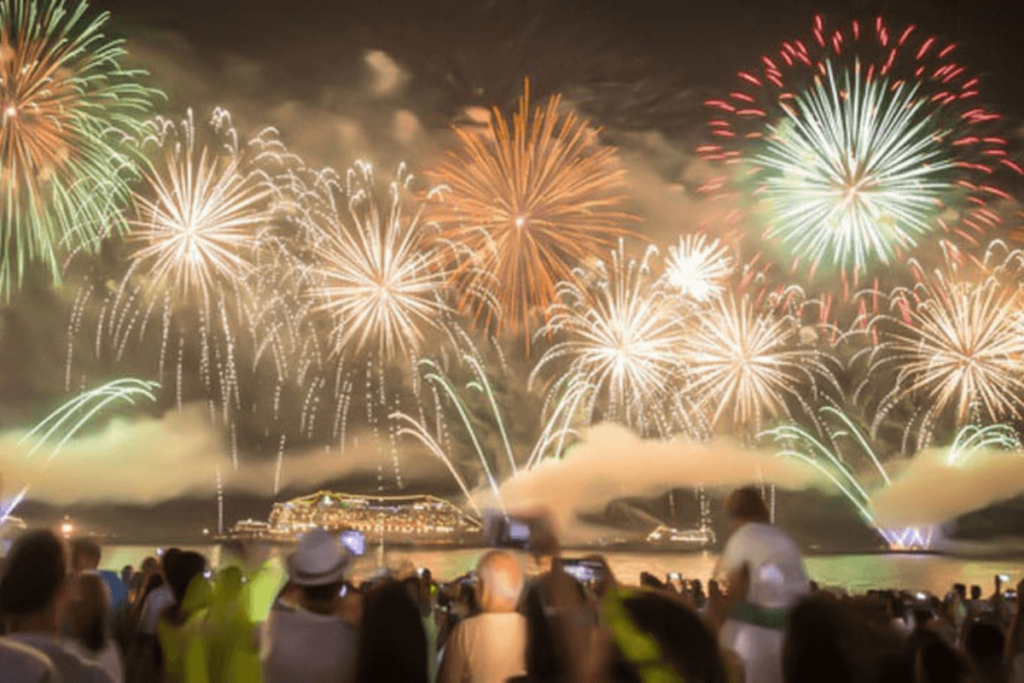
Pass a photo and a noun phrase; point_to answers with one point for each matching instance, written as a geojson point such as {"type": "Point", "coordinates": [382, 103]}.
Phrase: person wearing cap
{"type": "Point", "coordinates": [313, 643]}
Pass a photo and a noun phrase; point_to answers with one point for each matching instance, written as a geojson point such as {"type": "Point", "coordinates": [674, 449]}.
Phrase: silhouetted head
{"type": "Point", "coordinates": [85, 555]}
{"type": "Point", "coordinates": [86, 610]}
{"type": "Point", "coordinates": [33, 576]}
{"type": "Point", "coordinates": [746, 505]}
{"type": "Point", "coordinates": [392, 643]}
{"type": "Point", "coordinates": [686, 644]}
{"type": "Point", "coordinates": [821, 643]}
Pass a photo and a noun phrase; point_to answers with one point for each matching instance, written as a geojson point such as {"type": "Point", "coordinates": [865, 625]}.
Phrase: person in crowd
{"type": "Point", "coordinates": [686, 647]}
{"type": "Point", "coordinates": [900, 618]}
{"type": "Point", "coordinates": [150, 566]}
{"type": "Point", "coordinates": [175, 627]}
{"type": "Point", "coordinates": [313, 643]}
{"type": "Point", "coordinates": [160, 598]}
{"type": "Point", "coordinates": [821, 644]}
{"type": "Point", "coordinates": [934, 661]}
{"type": "Point", "coordinates": [392, 642]}
{"type": "Point", "coordinates": [127, 572]}
{"type": "Point", "coordinates": [86, 615]}
{"type": "Point", "coordinates": [419, 590]}
{"type": "Point", "coordinates": [491, 646]}
{"type": "Point", "coordinates": [85, 557]}
{"type": "Point", "coordinates": [31, 598]}
{"type": "Point", "coordinates": [22, 664]}
{"type": "Point", "coordinates": [985, 646]}
{"type": "Point", "coordinates": [765, 578]}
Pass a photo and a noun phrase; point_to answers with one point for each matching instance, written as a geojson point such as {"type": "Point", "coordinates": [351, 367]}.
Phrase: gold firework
{"type": "Point", "coordinates": [526, 203]}
{"type": "Point", "coordinates": [960, 346]}
{"type": "Point", "coordinates": [750, 362]}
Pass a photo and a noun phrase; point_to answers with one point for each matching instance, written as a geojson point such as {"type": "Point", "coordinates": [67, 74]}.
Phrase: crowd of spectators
{"type": "Point", "coordinates": [760, 620]}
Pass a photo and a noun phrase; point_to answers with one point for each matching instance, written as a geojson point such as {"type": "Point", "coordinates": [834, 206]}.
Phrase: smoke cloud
{"type": "Point", "coordinates": [613, 462]}
{"type": "Point", "coordinates": [150, 460]}
{"type": "Point", "coordinates": [931, 492]}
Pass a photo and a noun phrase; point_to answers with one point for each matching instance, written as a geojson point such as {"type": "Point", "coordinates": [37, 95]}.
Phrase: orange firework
{"type": "Point", "coordinates": [524, 206]}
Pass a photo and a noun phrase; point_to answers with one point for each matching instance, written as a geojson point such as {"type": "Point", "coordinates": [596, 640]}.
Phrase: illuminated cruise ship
{"type": "Point", "coordinates": [419, 520]}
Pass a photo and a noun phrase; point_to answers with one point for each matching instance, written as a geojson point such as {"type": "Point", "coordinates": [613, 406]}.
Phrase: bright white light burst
{"type": "Point", "coordinates": [855, 171]}
{"type": "Point", "coordinates": [377, 276]}
{"type": "Point", "coordinates": [698, 268]}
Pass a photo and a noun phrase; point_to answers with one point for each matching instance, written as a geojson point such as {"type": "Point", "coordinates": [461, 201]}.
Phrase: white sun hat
{"type": "Point", "coordinates": [319, 561]}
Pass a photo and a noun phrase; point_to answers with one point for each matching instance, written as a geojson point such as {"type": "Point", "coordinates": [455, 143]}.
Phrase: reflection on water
{"type": "Point", "coordinates": [855, 572]}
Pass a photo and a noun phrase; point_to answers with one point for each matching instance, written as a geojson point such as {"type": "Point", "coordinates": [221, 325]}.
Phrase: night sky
{"type": "Point", "coordinates": [639, 68]}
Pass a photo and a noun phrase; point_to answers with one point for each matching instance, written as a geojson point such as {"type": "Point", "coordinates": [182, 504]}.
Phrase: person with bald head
{"type": "Point", "coordinates": [491, 646]}
{"type": "Point", "coordinates": [765, 576]}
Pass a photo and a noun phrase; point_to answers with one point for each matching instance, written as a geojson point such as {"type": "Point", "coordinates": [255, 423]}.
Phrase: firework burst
{"type": "Point", "coordinates": [622, 338]}
{"type": "Point", "coordinates": [65, 104]}
{"type": "Point", "coordinates": [859, 145]}
{"type": "Point", "coordinates": [747, 363]}
{"type": "Point", "coordinates": [206, 218]}
{"type": "Point", "coordinates": [958, 347]}
{"type": "Point", "coordinates": [699, 268]}
{"type": "Point", "coordinates": [377, 278]}
{"type": "Point", "coordinates": [201, 211]}
{"type": "Point", "coordinates": [527, 202]}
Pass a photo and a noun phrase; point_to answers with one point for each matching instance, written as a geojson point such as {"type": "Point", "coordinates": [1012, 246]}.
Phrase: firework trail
{"type": "Point", "coordinates": [63, 424]}
{"type": "Point", "coordinates": [65, 106]}
{"type": "Point", "coordinates": [527, 202]}
{"type": "Point", "coordinates": [619, 348]}
{"type": "Point", "coordinates": [832, 457]}
{"type": "Point", "coordinates": [858, 146]}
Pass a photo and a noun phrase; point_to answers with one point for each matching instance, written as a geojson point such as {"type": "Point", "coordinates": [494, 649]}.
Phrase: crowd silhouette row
{"type": "Point", "coordinates": [520, 616]}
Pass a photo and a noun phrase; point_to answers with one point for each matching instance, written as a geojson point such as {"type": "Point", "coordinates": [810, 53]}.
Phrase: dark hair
{"type": "Point", "coordinates": [975, 592]}
{"type": "Point", "coordinates": [34, 574]}
{"type": "Point", "coordinates": [83, 548]}
{"type": "Point", "coordinates": [746, 504]}
{"type": "Point", "coordinates": [154, 582]}
{"type": "Point", "coordinates": [392, 643]}
{"type": "Point", "coordinates": [984, 645]}
{"type": "Point", "coordinates": [939, 663]}
{"type": "Point", "coordinates": [322, 593]}
{"type": "Point", "coordinates": [89, 611]}
{"type": "Point", "coordinates": [686, 643]}
{"type": "Point", "coordinates": [182, 570]}
{"type": "Point", "coordinates": [821, 643]}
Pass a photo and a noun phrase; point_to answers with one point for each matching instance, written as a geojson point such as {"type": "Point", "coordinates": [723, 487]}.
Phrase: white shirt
{"type": "Point", "coordinates": [20, 663]}
{"type": "Point", "coordinates": [109, 658]}
{"type": "Point", "coordinates": [777, 576]}
{"type": "Point", "coordinates": [158, 600]}
{"type": "Point", "coordinates": [488, 648]}
{"type": "Point", "coordinates": [309, 647]}
{"type": "Point", "coordinates": [70, 667]}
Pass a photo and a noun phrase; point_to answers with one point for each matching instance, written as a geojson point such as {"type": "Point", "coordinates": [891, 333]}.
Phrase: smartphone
{"type": "Point", "coordinates": [159, 552]}
{"type": "Point", "coordinates": [354, 541]}
{"type": "Point", "coordinates": [1004, 578]}
{"type": "Point", "coordinates": [675, 576]}
{"type": "Point", "coordinates": [207, 574]}
{"type": "Point", "coordinates": [503, 531]}
{"type": "Point", "coordinates": [585, 570]}
{"type": "Point", "coordinates": [922, 596]}
{"type": "Point", "coordinates": [344, 590]}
